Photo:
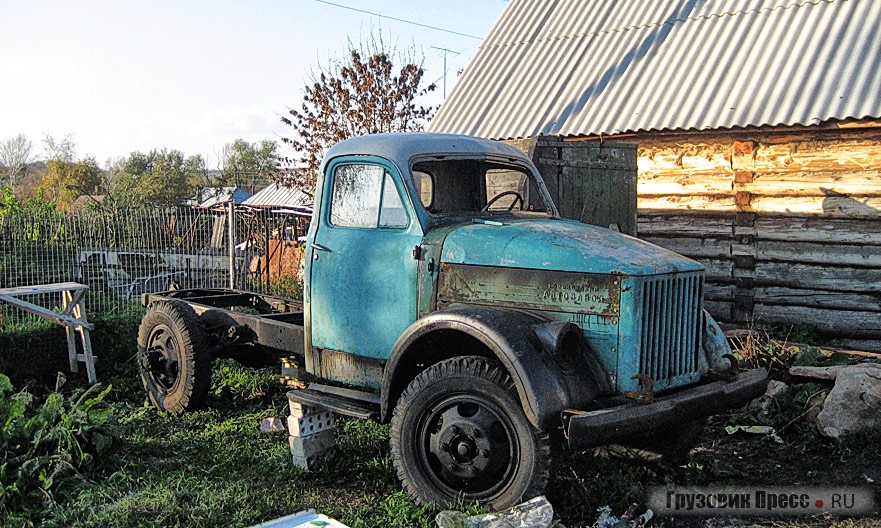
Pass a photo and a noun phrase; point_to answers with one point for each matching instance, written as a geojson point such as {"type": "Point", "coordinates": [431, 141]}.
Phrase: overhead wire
{"type": "Point", "coordinates": [380, 15]}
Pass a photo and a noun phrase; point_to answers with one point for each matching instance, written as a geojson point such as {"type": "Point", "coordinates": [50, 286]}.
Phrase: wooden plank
{"type": "Point", "coordinates": [622, 204]}
{"type": "Point", "coordinates": [609, 155]}
{"type": "Point", "coordinates": [863, 183]}
{"type": "Point", "coordinates": [850, 323]}
{"type": "Point", "coordinates": [799, 155]}
{"type": "Point", "coordinates": [59, 318]}
{"type": "Point", "coordinates": [856, 255]}
{"type": "Point", "coordinates": [43, 288]}
{"type": "Point", "coordinates": [699, 157]}
{"type": "Point", "coordinates": [684, 184]}
{"type": "Point", "coordinates": [830, 278]}
{"type": "Point", "coordinates": [718, 271]}
{"type": "Point", "coordinates": [834, 206]}
{"type": "Point", "coordinates": [675, 223]}
{"type": "Point", "coordinates": [868, 345]}
{"type": "Point", "coordinates": [719, 248]}
{"type": "Point", "coordinates": [720, 310]}
{"type": "Point", "coordinates": [716, 203]}
{"type": "Point", "coordinates": [817, 228]}
{"type": "Point", "coordinates": [719, 292]}
{"type": "Point", "coordinates": [864, 302]}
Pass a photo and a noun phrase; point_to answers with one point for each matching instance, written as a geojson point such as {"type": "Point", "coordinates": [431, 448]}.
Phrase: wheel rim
{"type": "Point", "coordinates": [162, 360]}
{"type": "Point", "coordinates": [467, 443]}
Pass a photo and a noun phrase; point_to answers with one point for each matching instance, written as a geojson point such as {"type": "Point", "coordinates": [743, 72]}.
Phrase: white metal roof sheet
{"type": "Point", "coordinates": [279, 196]}
{"type": "Point", "coordinates": [589, 67]}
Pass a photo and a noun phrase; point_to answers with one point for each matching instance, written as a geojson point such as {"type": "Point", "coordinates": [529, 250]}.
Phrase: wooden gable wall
{"type": "Point", "coordinates": [787, 222]}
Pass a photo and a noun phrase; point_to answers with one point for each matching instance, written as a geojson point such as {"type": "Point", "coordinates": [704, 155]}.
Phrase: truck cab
{"type": "Point", "coordinates": [446, 294]}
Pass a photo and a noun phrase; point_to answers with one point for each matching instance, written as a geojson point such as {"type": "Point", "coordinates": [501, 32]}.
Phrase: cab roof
{"type": "Point", "coordinates": [402, 147]}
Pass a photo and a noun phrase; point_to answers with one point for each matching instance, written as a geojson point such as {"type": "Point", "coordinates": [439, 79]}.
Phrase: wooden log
{"type": "Point", "coordinates": [868, 345]}
{"type": "Point", "coordinates": [684, 184]}
{"type": "Point", "coordinates": [704, 157]}
{"type": "Point", "coordinates": [718, 271]}
{"type": "Point", "coordinates": [715, 203]}
{"type": "Point", "coordinates": [830, 278]}
{"type": "Point", "coordinates": [856, 255]}
{"type": "Point", "coordinates": [674, 223]}
{"type": "Point", "coordinates": [832, 206]}
{"type": "Point", "coordinates": [799, 155]}
{"type": "Point", "coordinates": [866, 325]}
{"type": "Point", "coordinates": [719, 292]}
{"type": "Point", "coordinates": [864, 183]}
{"type": "Point", "coordinates": [695, 247]}
{"type": "Point", "coordinates": [865, 302]}
{"type": "Point", "coordinates": [720, 310]}
{"type": "Point", "coordinates": [817, 228]}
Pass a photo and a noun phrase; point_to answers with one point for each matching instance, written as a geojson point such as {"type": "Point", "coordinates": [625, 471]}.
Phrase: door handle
{"type": "Point", "coordinates": [319, 247]}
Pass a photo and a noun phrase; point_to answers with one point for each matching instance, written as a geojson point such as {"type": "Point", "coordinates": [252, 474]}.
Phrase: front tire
{"type": "Point", "coordinates": [173, 357]}
{"type": "Point", "coordinates": [459, 432]}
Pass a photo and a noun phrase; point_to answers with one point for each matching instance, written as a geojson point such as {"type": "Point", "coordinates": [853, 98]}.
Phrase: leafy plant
{"type": "Point", "coordinates": [46, 444]}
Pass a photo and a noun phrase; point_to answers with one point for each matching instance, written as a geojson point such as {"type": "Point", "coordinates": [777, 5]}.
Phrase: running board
{"type": "Point", "coordinates": [348, 402]}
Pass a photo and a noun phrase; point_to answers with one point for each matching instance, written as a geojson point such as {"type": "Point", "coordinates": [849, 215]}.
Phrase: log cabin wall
{"type": "Point", "coordinates": [787, 223]}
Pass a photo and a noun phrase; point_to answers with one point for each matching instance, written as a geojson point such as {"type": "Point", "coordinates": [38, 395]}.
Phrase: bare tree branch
{"type": "Point", "coordinates": [15, 154]}
{"type": "Point", "coordinates": [365, 94]}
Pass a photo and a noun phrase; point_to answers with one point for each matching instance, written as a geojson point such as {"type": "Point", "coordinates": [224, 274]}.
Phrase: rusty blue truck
{"type": "Point", "coordinates": [444, 293]}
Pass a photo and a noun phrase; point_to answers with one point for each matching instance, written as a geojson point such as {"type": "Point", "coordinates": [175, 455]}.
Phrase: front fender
{"type": "Point", "coordinates": [521, 343]}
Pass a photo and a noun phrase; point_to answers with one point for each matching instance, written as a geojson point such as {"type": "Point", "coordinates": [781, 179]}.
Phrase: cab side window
{"type": "Point", "coordinates": [365, 196]}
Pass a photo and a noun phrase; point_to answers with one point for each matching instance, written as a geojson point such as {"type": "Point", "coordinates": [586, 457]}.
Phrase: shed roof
{"type": "Point", "coordinates": [275, 196]}
{"type": "Point", "coordinates": [590, 67]}
{"type": "Point", "coordinates": [209, 197]}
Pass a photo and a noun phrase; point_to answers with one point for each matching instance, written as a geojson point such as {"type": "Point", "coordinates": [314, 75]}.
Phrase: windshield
{"type": "Point", "coordinates": [456, 186]}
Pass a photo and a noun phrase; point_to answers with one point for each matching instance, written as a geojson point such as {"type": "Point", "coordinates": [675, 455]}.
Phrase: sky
{"type": "Point", "coordinates": [133, 75]}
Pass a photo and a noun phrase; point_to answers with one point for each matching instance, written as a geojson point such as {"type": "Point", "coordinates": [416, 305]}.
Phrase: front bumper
{"type": "Point", "coordinates": [604, 426]}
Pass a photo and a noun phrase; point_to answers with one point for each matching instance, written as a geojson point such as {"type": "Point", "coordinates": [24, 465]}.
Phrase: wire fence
{"type": "Point", "coordinates": [122, 254]}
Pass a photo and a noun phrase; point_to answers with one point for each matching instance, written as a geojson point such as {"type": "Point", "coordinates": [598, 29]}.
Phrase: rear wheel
{"type": "Point", "coordinates": [458, 431]}
{"type": "Point", "coordinates": [173, 357]}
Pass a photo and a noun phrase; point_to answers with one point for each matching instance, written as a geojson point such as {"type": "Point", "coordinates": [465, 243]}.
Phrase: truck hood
{"type": "Point", "coordinates": [558, 245]}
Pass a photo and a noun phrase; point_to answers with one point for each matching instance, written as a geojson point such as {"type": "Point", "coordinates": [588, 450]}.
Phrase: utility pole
{"type": "Point", "coordinates": [445, 51]}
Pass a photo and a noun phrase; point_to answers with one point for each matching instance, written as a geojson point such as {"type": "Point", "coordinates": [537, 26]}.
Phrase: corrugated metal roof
{"type": "Point", "coordinates": [209, 197]}
{"type": "Point", "coordinates": [589, 67]}
{"type": "Point", "coordinates": [278, 196]}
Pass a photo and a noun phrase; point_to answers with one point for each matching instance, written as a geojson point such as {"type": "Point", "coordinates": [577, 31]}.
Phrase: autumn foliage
{"type": "Point", "coordinates": [366, 94]}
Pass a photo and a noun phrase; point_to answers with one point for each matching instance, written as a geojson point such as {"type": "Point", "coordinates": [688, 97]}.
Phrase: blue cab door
{"type": "Point", "coordinates": [363, 273]}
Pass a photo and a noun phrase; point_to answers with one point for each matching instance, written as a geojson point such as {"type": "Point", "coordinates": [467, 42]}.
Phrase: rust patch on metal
{"type": "Point", "coordinates": [557, 291]}
{"type": "Point", "coordinates": [646, 395]}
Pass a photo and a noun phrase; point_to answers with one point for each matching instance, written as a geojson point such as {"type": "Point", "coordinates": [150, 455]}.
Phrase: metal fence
{"type": "Point", "coordinates": [121, 254]}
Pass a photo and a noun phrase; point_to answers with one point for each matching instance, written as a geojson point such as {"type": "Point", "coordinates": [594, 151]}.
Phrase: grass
{"type": "Point", "coordinates": [215, 468]}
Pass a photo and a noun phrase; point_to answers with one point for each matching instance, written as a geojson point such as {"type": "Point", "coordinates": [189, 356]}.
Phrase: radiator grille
{"type": "Point", "coordinates": [672, 309]}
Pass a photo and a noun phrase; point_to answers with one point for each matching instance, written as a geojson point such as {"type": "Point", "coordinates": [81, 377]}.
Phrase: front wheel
{"type": "Point", "coordinates": [458, 431]}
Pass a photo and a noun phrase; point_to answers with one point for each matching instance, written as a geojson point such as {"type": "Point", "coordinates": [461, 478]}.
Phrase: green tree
{"type": "Point", "coordinates": [66, 180]}
{"type": "Point", "coordinates": [364, 94]}
{"type": "Point", "coordinates": [245, 162]}
{"type": "Point", "coordinates": [161, 177]}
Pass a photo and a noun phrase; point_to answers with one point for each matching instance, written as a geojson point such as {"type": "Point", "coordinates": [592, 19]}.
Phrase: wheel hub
{"type": "Point", "coordinates": [161, 357]}
{"type": "Point", "coordinates": [465, 449]}
{"type": "Point", "coordinates": [470, 445]}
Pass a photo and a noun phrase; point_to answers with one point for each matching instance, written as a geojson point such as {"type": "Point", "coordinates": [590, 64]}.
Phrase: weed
{"type": "Point", "coordinates": [232, 379]}
{"type": "Point", "coordinates": [758, 349]}
{"type": "Point", "coordinates": [44, 446]}
{"type": "Point", "coordinates": [861, 443]}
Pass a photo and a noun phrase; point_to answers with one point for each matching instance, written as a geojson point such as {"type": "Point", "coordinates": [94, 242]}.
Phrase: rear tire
{"type": "Point", "coordinates": [459, 433]}
{"type": "Point", "coordinates": [173, 357]}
